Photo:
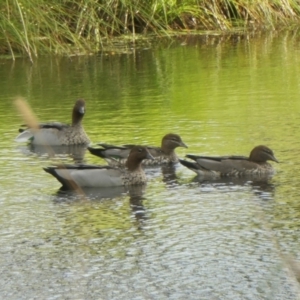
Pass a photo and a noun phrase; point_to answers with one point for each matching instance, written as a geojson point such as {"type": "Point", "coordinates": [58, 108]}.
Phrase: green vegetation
{"type": "Point", "coordinates": [75, 27]}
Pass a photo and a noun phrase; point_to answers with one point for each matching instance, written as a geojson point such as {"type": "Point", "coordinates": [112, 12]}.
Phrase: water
{"type": "Point", "coordinates": [178, 238]}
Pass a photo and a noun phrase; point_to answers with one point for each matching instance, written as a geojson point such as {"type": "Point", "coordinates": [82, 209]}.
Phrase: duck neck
{"type": "Point", "coordinates": [133, 165]}
{"type": "Point", "coordinates": [167, 150]}
{"type": "Point", "coordinates": [76, 118]}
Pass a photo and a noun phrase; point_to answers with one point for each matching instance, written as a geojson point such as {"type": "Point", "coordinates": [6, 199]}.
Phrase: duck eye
{"type": "Point", "coordinates": [140, 150]}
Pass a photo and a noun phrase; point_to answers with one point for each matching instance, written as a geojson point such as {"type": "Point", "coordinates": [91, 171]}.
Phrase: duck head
{"type": "Point", "coordinates": [262, 153]}
{"type": "Point", "coordinates": [171, 141]}
{"type": "Point", "coordinates": [136, 156]}
{"type": "Point", "coordinates": [78, 111]}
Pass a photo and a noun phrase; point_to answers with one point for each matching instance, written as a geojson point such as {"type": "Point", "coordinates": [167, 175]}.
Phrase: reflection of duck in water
{"type": "Point", "coordinates": [67, 195]}
{"type": "Point", "coordinates": [116, 155]}
{"type": "Point", "coordinates": [76, 152]}
{"type": "Point", "coordinates": [263, 189]}
{"type": "Point", "coordinates": [136, 193]}
{"type": "Point", "coordinates": [169, 175]}
{"type": "Point", "coordinates": [233, 166]}
{"type": "Point", "coordinates": [260, 185]}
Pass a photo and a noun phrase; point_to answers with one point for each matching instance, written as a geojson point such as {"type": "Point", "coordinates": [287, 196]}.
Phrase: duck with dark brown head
{"type": "Point", "coordinates": [165, 154]}
{"type": "Point", "coordinates": [221, 166]}
{"type": "Point", "coordinates": [94, 176]}
{"type": "Point", "coordinates": [56, 133]}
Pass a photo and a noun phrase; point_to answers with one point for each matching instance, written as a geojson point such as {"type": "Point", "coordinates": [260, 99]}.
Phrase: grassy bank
{"type": "Point", "coordinates": [32, 27]}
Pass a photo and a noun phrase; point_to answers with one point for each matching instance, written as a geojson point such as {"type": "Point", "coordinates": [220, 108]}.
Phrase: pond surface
{"type": "Point", "coordinates": [178, 238]}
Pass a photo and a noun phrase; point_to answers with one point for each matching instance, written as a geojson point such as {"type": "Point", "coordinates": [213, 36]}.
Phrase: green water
{"type": "Point", "coordinates": [179, 238]}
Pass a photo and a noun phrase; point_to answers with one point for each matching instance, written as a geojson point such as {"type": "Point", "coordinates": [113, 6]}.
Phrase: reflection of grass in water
{"type": "Point", "coordinates": [77, 27]}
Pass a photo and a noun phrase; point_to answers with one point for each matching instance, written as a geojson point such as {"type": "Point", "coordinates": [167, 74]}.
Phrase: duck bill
{"type": "Point", "coordinates": [275, 159]}
{"type": "Point", "coordinates": [182, 144]}
{"type": "Point", "coordinates": [149, 156]}
{"type": "Point", "coordinates": [81, 110]}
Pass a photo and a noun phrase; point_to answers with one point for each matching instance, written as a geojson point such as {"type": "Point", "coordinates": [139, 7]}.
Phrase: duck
{"type": "Point", "coordinates": [94, 176]}
{"type": "Point", "coordinates": [234, 166]}
{"type": "Point", "coordinates": [56, 133]}
{"type": "Point", "coordinates": [165, 154]}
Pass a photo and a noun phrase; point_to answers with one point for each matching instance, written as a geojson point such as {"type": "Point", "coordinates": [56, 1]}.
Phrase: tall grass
{"type": "Point", "coordinates": [33, 27]}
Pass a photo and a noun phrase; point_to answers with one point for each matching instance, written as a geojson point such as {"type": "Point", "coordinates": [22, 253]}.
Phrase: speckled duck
{"type": "Point", "coordinates": [236, 166]}
{"type": "Point", "coordinates": [117, 155]}
{"type": "Point", "coordinates": [56, 133]}
{"type": "Point", "coordinates": [103, 176]}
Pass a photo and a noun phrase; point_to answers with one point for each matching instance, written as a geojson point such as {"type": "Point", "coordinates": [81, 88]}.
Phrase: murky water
{"type": "Point", "coordinates": [177, 238]}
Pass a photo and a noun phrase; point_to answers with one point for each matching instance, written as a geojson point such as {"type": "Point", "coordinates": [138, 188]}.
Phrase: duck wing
{"type": "Point", "coordinates": [84, 175]}
{"type": "Point", "coordinates": [54, 125]}
{"type": "Point", "coordinates": [110, 151]}
{"type": "Point", "coordinates": [27, 134]}
{"type": "Point", "coordinates": [222, 164]}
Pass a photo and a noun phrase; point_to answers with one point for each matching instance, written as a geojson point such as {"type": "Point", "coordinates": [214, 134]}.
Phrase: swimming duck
{"type": "Point", "coordinates": [218, 166]}
{"type": "Point", "coordinates": [116, 155]}
{"type": "Point", "coordinates": [56, 133]}
{"type": "Point", "coordinates": [83, 175]}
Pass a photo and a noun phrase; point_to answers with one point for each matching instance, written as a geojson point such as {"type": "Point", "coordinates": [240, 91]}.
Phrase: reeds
{"type": "Point", "coordinates": [74, 27]}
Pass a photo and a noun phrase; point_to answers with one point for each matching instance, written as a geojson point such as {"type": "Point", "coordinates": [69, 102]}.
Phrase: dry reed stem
{"type": "Point", "coordinates": [291, 265]}
{"type": "Point", "coordinates": [27, 114]}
